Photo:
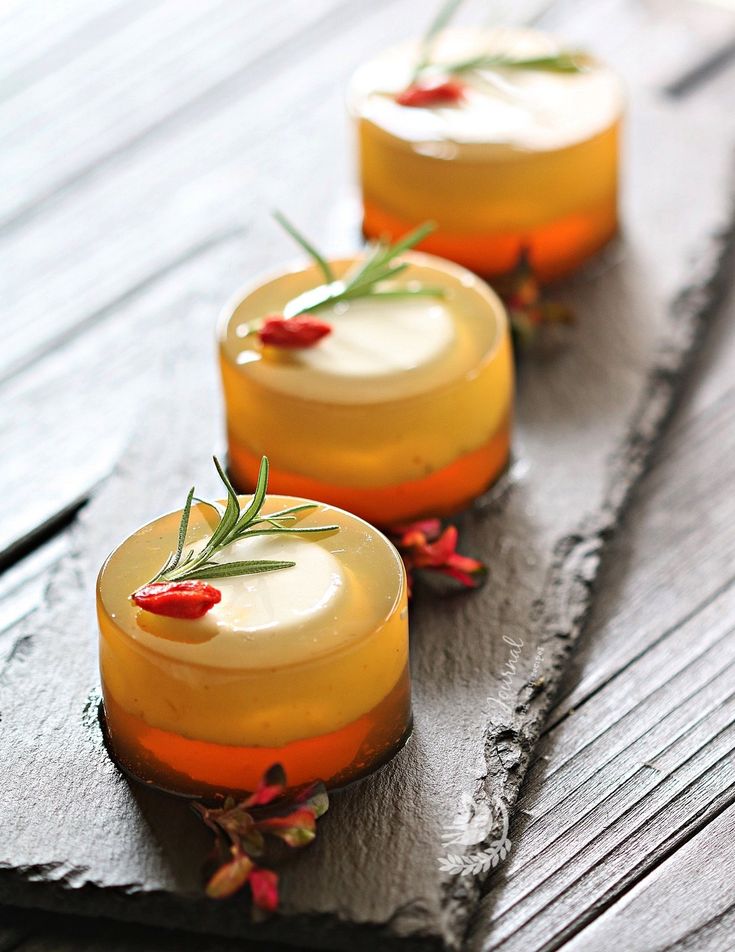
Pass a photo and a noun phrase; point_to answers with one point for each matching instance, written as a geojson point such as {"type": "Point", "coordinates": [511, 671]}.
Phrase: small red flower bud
{"type": "Point", "coordinates": [264, 886]}
{"type": "Point", "coordinates": [190, 599]}
{"type": "Point", "coordinates": [445, 93]}
{"type": "Point", "coordinates": [294, 333]}
{"type": "Point", "coordinates": [423, 545]}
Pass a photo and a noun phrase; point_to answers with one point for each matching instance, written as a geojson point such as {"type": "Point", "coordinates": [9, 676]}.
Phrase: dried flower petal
{"type": "Point", "coordinates": [264, 886]}
{"type": "Point", "coordinates": [231, 876]}
{"type": "Point", "coordinates": [242, 831]}
{"type": "Point", "coordinates": [315, 796]}
{"type": "Point", "coordinates": [297, 828]}
{"type": "Point", "coordinates": [520, 291]}
{"type": "Point", "coordinates": [270, 786]}
{"type": "Point", "coordinates": [430, 528]}
{"type": "Point", "coordinates": [447, 92]}
{"type": "Point", "coordinates": [423, 546]}
{"type": "Point", "coordinates": [190, 599]}
{"type": "Point", "coordinates": [294, 333]}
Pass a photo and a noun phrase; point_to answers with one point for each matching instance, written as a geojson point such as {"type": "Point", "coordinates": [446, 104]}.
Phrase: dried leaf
{"type": "Point", "coordinates": [230, 877]}
{"type": "Point", "coordinates": [296, 829]}
{"type": "Point", "coordinates": [271, 785]}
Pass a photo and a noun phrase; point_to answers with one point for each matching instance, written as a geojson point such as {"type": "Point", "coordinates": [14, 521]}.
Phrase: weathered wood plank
{"type": "Point", "coordinates": [174, 61]}
{"type": "Point", "coordinates": [627, 797]}
{"type": "Point", "coordinates": [643, 679]}
{"type": "Point", "coordinates": [245, 143]}
{"type": "Point", "coordinates": [70, 425]}
{"type": "Point", "coordinates": [22, 587]}
{"type": "Point", "coordinates": [667, 566]}
{"type": "Point", "coordinates": [655, 703]}
{"type": "Point", "coordinates": [39, 38]}
{"type": "Point", "coordinates": [687, 903]}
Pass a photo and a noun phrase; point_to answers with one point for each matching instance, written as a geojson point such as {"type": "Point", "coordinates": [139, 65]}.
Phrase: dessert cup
{"type": "Point", "coordinates": [527, 158]}
{"type": "Point", "coordinates": [403, 411]}
{"type": "Point", "coordinates": [306, 666]}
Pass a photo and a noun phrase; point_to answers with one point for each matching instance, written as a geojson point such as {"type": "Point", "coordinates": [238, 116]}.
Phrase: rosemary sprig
{"type": "Point", "coordinates": [320, 260]}
{"type": "Point", "coordinates": [563, 62]}
{"type": "Point", "coordinates": [234, 524]}
{"type": "Point", "coordinates": [441, 20]}
{"type": "Point", "coordinates": [365, 278]}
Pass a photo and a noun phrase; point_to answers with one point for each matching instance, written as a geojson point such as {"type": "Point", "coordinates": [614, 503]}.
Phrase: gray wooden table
{"type": "Point", "coordinates": [143, 146]}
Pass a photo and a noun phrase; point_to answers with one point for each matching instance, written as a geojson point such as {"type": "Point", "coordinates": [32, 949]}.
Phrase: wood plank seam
{"type": "Point", "coordinates": [59, 54]}
{"type": "Point", "coordinates": [694, 938]}
{"type": "Point", "coordinates": [556, 721]}
{"type": "Point", "coordinates": [675, 738]}
{"type": "Point", "coordinates": [701, 72]}
{"type": "Point", "coordinates": [205, 103]}
{"type": "Point", "coordinates": [690, 660]}
{"type": "Point", "coordinates": [677, 838]}
{"type": "Point", "coordinates": [659, 781]}
{"type": "Point", "coordinates": [108, 309]}
{"type": "Point", "coordinates": [645, 868]}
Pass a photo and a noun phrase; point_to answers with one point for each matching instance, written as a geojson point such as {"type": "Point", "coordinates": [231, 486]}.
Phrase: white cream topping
{"type": "Point", "coordinates": [259, 617]}
{"type": "Point", "coordinates": [379, 338]}
{"type": "Point", "coordinates": [504, 109]}
{"type": "Point", "coordinates": [287, 599]}
{"type": "Point", "coordinates": [378, 350]}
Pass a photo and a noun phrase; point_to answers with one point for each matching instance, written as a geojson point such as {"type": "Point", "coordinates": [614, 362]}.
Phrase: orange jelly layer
{"type": "Point", "coordinates": [555, 248]}
{"type": "Point", "coordinates": [306, 665]}
{"type": "Point", "coordinates": [439, 494]}
{"type": "Point", "coordinates": [526, 160]}
{"type": "Point", "coordinates": [403, 411]}
{"type": "Point", "coordinates": [174, 763]}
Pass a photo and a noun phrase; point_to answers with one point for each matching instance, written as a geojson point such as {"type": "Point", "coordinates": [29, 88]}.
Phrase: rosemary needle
{"type": "Point", "coordinates": [234, 523]}
{"type": "Point", "coordinates": [365, 279]}
{"type": "Point", "coordinates": [562, 62]}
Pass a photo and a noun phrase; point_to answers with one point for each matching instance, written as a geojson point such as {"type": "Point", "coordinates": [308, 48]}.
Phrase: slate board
{"type": "Point", "coordinates": [588, 416]}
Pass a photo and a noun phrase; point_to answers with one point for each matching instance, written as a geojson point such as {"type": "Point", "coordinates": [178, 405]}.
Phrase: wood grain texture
{"type": "Point", "coordinates": [686, 904]}
{"type": "Point", "coordinates": [372, 878]}
{"type": "Point", "coordinates": [652, 676]}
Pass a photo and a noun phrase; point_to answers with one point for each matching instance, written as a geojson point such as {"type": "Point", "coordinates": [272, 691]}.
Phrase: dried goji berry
{"type": "Point", "coordinates": [190, 599]}
{"type": "Point", "coordinates": [294, 332]}
{"type": "Point", "coordinates": [446, 92]}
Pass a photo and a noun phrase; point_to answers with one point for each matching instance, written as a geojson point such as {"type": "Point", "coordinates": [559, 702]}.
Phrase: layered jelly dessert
{"type": "Point", "coordinates": [504, 138]}
{"type": "Point", "coordinates": [402, 410]}
{"type": "Point", "coordinates": [302, 660]}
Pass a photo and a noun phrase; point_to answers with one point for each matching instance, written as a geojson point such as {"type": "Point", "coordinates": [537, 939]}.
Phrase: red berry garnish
{"type": "Point", "coordinates": [189, 599]}
{"type": "Point", "coordinates": [448, 92]}
{"type": "Point", "coordinates": [294, 333]}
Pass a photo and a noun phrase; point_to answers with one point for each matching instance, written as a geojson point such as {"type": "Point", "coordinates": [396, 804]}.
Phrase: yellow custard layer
{"type": "Point", "coordinates": [530, 158]}
{"type": "Point", "coordinates": [306, 665]}
{"type": "Point", "coordinates": [403, 410]}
